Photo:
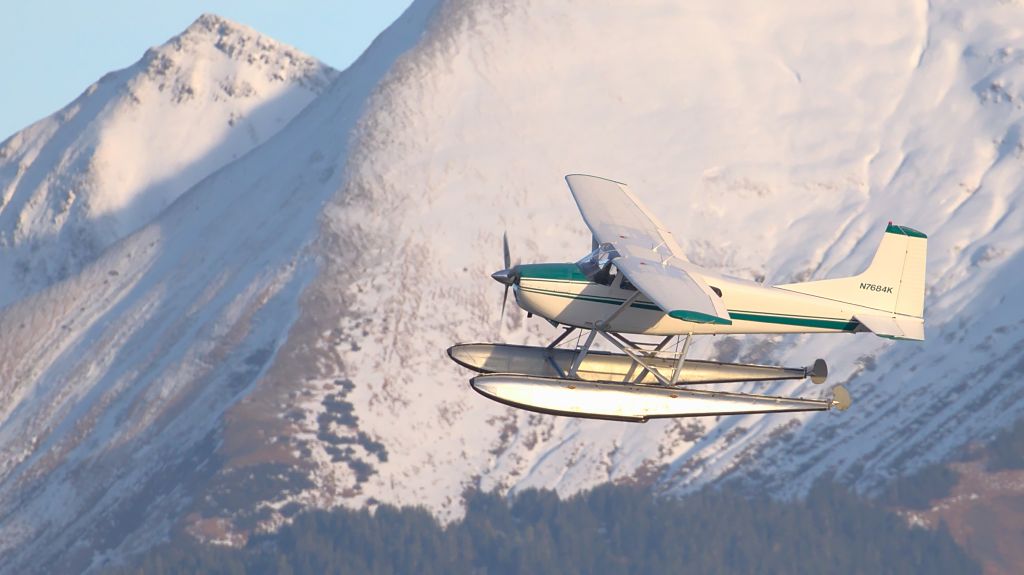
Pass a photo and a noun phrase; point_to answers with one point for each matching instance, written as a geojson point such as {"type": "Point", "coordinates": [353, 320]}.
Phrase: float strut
{"type": "Point", "coordinates": [682, 358]}
{"type": "Point", "coordinates": [657, 348]}
{"type": "Point", "coordinates": [582, 354]}
{"type": "Point", "coordinates": [631, 353]}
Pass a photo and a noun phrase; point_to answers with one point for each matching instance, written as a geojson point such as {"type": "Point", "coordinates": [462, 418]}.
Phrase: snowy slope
{"type": "Point", "coordinates": [274, 337]}
{"type": "Point", "coordinates": [108, 163]}
{"type": "Point", "coordinates": [777, 145]}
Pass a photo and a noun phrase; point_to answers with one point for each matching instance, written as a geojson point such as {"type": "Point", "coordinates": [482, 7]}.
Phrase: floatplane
{"type": "Point", "coordinates": [636, 282]}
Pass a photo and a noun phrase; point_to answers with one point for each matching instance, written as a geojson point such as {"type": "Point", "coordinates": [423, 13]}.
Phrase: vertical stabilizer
{"type": "Point", "coordinates": [893, 283]}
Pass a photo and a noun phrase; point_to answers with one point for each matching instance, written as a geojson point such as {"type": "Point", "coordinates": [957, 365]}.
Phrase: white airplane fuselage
{"type": "Point", "coordinates": [560, 292]}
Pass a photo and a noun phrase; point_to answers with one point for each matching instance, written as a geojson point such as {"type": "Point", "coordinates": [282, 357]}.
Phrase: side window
{"type": "Point", "coordinates": [597, 264]}
{"type": "Point", "coordinates": [717, 291]}
{"type": "Point", "coordinates": [626, 285]}
{"type": "Point", "coordinates": [605, 276]}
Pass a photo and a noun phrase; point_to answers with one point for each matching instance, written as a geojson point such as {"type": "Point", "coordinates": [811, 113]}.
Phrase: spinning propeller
{"type": "Point", "coordinates": [509, 275]}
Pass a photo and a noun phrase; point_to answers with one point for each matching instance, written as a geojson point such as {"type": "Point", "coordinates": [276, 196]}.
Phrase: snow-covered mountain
{"type": "Point", "coordinates": [272, 336]}
{"type": "Point", "coordinates": [108, 163]}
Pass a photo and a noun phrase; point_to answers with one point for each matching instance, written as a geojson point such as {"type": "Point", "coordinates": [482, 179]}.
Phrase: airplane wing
{"type": "Point", "coordinates": [648, 255]}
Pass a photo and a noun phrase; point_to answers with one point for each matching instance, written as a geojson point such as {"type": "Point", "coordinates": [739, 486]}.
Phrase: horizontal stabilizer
{"type": "Point", "coordinates": [892, 326]}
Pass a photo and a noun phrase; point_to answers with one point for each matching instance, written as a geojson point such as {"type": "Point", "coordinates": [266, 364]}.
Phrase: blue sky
{"type": "Point", "coordinates": [51, 51]}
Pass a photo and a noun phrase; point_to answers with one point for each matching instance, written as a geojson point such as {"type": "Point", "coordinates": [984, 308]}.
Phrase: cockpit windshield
{"type": "Point", "coordinates": [597, 264]}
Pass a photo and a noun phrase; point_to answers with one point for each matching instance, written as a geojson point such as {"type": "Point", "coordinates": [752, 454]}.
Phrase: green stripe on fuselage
{"type": "Point", "coordinates": [805, 321]}
{"type": "Point", "coordinates": [565, 272]}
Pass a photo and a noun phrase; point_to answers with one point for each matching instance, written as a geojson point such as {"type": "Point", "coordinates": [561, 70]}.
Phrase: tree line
{"type": "Point", "coordinates": [610, 529]}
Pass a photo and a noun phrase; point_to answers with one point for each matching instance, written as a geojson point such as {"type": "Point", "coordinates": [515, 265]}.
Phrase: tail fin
{"type": "Point", "coordinates": [892, 284]}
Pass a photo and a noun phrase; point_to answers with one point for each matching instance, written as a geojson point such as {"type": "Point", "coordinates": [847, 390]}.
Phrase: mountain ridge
{"type": "Point", "coordinates": [75, 182]}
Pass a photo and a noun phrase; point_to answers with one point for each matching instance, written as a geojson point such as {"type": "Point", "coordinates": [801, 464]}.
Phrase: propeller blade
{"type": "Point", "coordinates": [507, 276]}
{"type": "Point", "coordinates": [508, 256]}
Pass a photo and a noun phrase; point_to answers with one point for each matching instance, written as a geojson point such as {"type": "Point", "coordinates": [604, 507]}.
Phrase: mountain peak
{"type": "Point", "coordinates": [238, 41]}
{"type": "Point", "coordinates": [240, 55]}
{"type": "Point", "coordinates": [208, 24]}
{"type": "Point", "coordinates": [209, 21]}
